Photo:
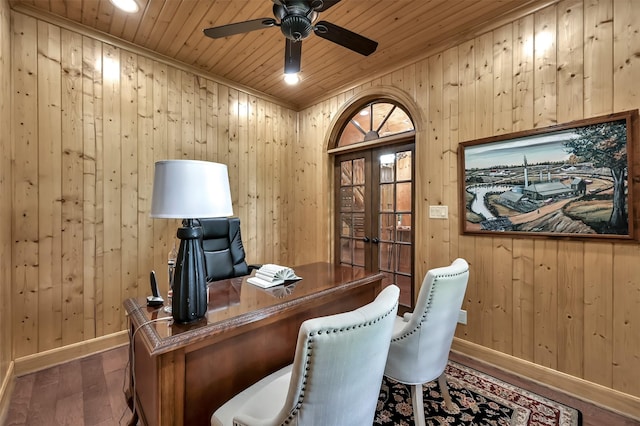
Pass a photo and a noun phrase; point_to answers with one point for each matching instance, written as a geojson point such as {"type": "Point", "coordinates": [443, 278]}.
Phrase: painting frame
{"type": "Point", "coordinates": [570, 181]}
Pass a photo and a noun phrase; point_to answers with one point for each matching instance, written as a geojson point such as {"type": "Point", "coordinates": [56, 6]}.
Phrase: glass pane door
{"type": "Point", "coordinates": [352, 209]}
{"type": "Point", "coordinates": [395, 220]}
{"type": "Point", "coordinates": [374, 214]}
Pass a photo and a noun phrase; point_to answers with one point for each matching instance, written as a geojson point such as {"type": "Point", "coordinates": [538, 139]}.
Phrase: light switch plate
{"type": "Point", "coordinates": [438, 212]}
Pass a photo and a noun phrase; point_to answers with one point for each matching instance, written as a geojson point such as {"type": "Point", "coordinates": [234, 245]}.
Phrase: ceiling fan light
{"type": "Point", "coordinates": [129, 6]}
{"type": "Point", "coordinates": [292, 78]}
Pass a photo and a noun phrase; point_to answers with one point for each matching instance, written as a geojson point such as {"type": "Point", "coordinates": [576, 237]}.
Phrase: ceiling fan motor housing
{"type": "Point", "coordinates": [296, 19]}
{"type": "Point", "coordinates": [296, 28]}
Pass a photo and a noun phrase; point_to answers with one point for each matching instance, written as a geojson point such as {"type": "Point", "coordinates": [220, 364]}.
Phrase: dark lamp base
{"type": "Point", "coordinates": [189, 301]}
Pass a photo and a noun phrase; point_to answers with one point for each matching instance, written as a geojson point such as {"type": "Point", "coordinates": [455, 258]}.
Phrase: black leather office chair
{"type": "Point", "coordinates": [223, 250]}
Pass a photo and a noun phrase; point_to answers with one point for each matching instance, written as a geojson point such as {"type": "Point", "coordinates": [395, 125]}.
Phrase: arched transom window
{"type": "Point", "coordinates": [374, 121]}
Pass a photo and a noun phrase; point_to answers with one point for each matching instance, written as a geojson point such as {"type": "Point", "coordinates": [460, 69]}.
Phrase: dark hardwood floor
{"type": "Point", "coordinates": [89, 392]}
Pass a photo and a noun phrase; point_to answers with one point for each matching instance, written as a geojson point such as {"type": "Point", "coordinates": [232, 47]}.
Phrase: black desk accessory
{"type": "Point", "coordinates": [155, 299]}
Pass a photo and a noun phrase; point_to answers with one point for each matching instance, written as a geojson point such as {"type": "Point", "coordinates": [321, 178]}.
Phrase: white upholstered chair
{"type": "Point", "coordinates": [335, 377]}
{"type": "Point", "coordinates": [421, 340]}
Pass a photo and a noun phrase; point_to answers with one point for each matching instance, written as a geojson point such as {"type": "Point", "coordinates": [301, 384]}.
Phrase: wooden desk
{"type": "Point", "coordinates": [182, 373]}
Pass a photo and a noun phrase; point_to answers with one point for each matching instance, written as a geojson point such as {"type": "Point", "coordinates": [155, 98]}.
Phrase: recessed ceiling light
{"type": "Point", "coordinates": [129, 6]}
{"type": "Point", "coordinates": [292, 78]}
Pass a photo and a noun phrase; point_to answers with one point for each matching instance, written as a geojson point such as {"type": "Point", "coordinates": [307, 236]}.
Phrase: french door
{"type": "Point", "coordinates": [374, 213]}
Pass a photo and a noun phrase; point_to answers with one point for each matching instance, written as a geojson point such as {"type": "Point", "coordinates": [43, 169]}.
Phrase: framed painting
{"type": "Point", "coordinates": [569, 180]}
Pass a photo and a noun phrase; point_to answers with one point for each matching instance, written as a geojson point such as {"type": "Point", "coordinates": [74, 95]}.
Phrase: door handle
{"type": "Point", "coordinates": [375, 240]}
{"type": "Point", "coordinates": [366, 239]}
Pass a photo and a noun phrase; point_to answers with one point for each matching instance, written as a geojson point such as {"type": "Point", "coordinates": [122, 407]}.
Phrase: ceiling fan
{"type": "Point", "coordinates": [297, 20]}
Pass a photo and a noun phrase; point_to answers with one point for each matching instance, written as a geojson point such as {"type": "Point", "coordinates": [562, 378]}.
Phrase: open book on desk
{"type": "Point", "coordinates": [270, 275]}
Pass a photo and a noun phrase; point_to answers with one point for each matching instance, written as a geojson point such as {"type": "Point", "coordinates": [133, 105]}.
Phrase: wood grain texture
{"type": "Point", "coordinates": [254, 59]}
{"type": "Point", "coordinates": [72, 186]}
{"type": "Point", "coordinates": [598, 56]}
{"type": "Point", "coordinates": [49, 187]}
{"type": "Point", "coordinates": [626, 295]}
{"type": "Point", "coordinates": [568, 306]}
{"type": "Point", "coordinates": [109, 295]}
{"type": "Point", "coordinates": [84, 240]}
{"type": "Point", "coordinates": [570, 41]}
{"type": "Point", "coordinates": [92, 211]}
{"type": "Point", "coordinates": [25, 276]}
{"type": "Point", "coordinates": [483, 85]}
{"type": "Point", "coordinates": [170, 387]}
{"type": "Point", "coordinates": [522, 262]}
{"type": "Point", "coordinates": [69, 395]}
{"type": "Point", "coordinates": [6, 195]}
{"type": "Point", "coordinates": [434, 190]}
{"type": "Point", "coordinates": [129, 277]}
{"type": "Point", "coordinates": [560, 304]}
{"type": "Point", "coordinates": [450, 127]}
{"type": "Point", "coordinates": [466, 120]}
{"type": "Point", "coordinates": [502, 95]}
{"type": "Point", "coordinates": [85, 391]}
{"type": "Point", "coordinates": [545, 102]}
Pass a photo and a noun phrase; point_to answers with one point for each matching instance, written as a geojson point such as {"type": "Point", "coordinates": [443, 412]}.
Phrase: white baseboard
{"type": "Point", "coordinates": [8, 382]}
{"type": "Point", "coordinates": [40, 361]}
{"type": "Point", "coordinates": [593, 393]}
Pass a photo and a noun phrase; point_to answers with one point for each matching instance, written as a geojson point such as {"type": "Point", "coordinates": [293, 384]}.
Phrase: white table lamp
{"type": "Point", "coordinates": [188, 190]}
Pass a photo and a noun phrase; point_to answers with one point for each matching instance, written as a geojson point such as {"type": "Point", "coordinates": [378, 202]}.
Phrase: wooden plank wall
{"type": "Point", "coordinates": [5, 191]}
{"type": "Point", "coordinates": [90, 119]}
{"type": "Point", "coordinates": [568, 305]}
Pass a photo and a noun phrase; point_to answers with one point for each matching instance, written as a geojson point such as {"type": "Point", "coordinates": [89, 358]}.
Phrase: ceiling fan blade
{"type": "Point", "coordinates": [346, 38]}
{"type": "Point", "coordinates": [292, 56]}
{"type": "Point", "coordinates": [325, 4]}
{"type": "Point", "coordinates": [239, 27]}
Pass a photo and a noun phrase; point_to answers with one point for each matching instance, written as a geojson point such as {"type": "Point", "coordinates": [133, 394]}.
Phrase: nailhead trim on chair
{"type": "Point", "coordinates": [309, 349]}
{"type": "Point", "coordinates": [426, 309]}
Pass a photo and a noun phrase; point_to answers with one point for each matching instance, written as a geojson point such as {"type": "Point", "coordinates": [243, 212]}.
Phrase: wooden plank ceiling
{"type": "Point", "coordinates": [406, 30]}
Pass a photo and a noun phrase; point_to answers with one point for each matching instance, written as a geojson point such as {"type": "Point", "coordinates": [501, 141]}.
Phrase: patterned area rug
{"type": "Point", "coordinates": [479, 399]}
